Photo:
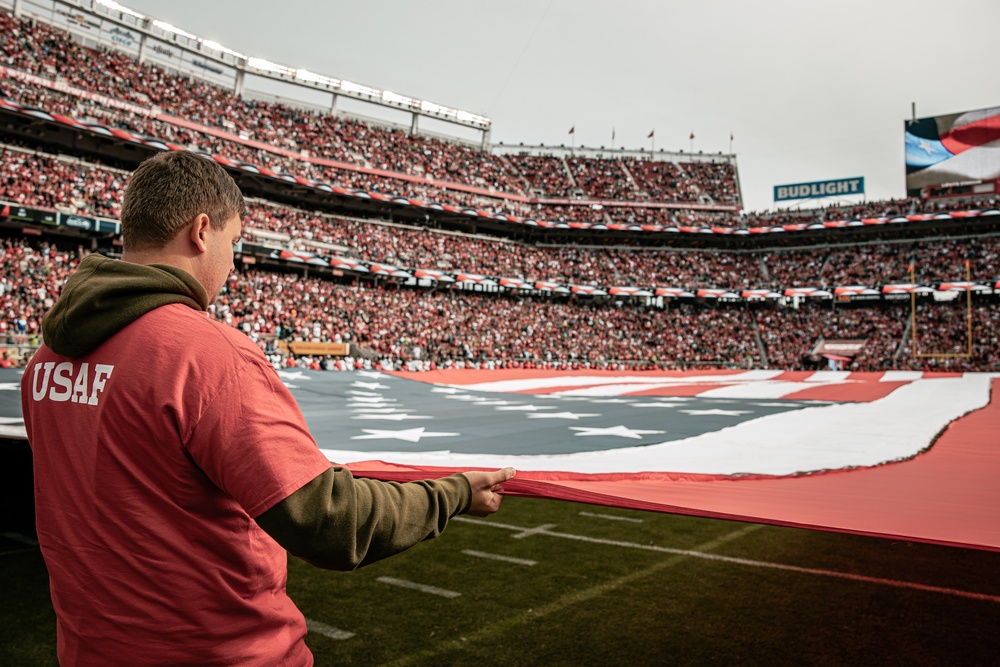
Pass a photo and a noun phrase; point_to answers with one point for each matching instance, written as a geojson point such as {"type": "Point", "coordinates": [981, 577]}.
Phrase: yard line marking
{"type": "Point", "coordinates": [575, 597]}
{"type": "Point", "coordinates": [506, 559]}
{"type": "Point", "coordinates": [611, 517]}
{"type": "Point", "coordinates": [528, 532]}
{"type": "Point", "coordinates": [857, 577]}
{"type": "Point", "coordinates": [543, 530]}
{"type": "Point", "coordinates": [327, 630]}
{"type": "Point", "coordinates": [403, 583]}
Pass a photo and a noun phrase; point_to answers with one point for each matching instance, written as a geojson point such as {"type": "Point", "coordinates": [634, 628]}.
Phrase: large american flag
{"type": "Point", "coordinates": [900, 454]}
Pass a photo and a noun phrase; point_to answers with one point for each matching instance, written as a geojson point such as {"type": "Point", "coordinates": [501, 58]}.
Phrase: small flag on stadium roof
{"type": "Point", "coordinates": [692, 136]}
{"type": "Point", "coordinates": [651, 133]}
{"type": "Point", "coordinates": [572, 130]}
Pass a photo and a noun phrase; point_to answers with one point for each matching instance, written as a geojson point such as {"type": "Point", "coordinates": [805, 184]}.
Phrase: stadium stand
{"type": "Point", "coordinates": [38, 49]}
{"type": "Point", "coordinates": [437, 324]}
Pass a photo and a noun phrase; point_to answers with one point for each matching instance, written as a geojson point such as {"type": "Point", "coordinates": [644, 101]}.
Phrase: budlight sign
{"type": "Point", "coordinates": [838, 188]}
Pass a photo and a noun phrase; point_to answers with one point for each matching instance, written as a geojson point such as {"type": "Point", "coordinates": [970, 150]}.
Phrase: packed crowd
{"type": "Point", "coordinates": [398, 326]}
{"type": "Point", "coordinates": [790, 335]}
{"type": "Point", "coordinates": [448, 326]}
{"type": "Point", "coordinates": [43, 180]}
{"type": "Point", "coordinates": [37, 48]}
{"type": "Point", "coordinates": [419, 188]}
{"type": "Point", "coordinates": [37, 179]}
{"type": "Point", "coordinates": [40, 49]}
{"type": "Point", "coordinates": [643, 173]}
{"type": "Point", "coordinates": [889, 208]}
{"type": "Point", "coordinates": [30, 281]}
{"type": "Point", "coordinates": [941, 336]}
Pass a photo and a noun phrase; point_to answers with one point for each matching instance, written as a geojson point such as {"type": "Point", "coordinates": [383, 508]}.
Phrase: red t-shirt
{"type": "Point", "coordinates": [151, 455]}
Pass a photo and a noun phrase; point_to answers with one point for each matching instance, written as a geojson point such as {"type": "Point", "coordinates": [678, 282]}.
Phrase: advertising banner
{"type": "Point", "coordinates": [27, 214]}
{"type": "Point", "coordinates": [312, 349]}
{"type": "Point", "coordinates": [817, 189]}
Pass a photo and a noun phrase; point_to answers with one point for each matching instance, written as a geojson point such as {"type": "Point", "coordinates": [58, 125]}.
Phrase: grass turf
{"type": "Point", "coordinates": [623, 601]}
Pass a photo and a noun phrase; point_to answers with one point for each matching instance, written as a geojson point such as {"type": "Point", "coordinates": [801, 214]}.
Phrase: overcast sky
{"type": "Point", "coordinates": [810, 89]}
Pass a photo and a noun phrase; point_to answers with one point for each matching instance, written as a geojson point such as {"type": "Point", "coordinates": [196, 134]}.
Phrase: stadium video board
{"type": "Point", "coordinates": [951, 149]}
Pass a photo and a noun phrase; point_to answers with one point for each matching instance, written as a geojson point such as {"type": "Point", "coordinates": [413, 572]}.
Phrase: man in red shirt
{"type": "Point", "coordinates": [173, 469]}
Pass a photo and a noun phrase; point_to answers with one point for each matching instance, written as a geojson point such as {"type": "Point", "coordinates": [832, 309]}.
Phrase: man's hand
{"type": "Point", "coordinates": [486, 490]}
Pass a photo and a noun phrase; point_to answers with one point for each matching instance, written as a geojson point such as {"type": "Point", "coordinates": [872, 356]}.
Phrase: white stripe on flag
{"type": "Point", "coordinates": [901, 376]}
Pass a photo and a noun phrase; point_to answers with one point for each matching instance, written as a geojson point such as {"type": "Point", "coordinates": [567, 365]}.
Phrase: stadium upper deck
{"type": "Point", "coordinates": [110, 85]}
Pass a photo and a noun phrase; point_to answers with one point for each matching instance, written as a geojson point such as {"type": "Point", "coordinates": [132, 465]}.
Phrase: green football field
{"type": "Point", "coordinates": [545, 582]}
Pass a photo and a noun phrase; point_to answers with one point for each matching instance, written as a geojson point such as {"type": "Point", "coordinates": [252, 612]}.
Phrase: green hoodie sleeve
{"type": "Point", "coordinates": [339, 522]}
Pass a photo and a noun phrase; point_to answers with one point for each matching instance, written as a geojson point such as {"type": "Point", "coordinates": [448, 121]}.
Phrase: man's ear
{"type": "Point", "coordinates": [199, 232]}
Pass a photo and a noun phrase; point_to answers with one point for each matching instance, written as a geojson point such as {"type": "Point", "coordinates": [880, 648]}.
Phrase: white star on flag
{"type": "Point", "coordinates": [562, 415]}
{"type": "Point", "coordinates": [9, 386]}
{"type": "Point", "coordinates": [409, 435]}
{"type": "Point", "coordinates": [619, 431]}
{"type": "Point", "coordinates": [11, 420]}
{"type": "Point", "coordinates": [389, 417]}
{"type": "Point", "coordinates": [526, 408]}
{"type": "Point", "coordinates": [716, 411]}
{"type": "Point", "coordinates": [445, 390]}
{"type": "Point", "coordinates": [372, 399]}
{"type": "Point", "coordinates": [369, 385]}
{"type": "Point", "coordinates": [293, 375]}
{"type": "Point", "coordinates": [375, 375]}
{"type": "Point", "coordinates": [355, 392]}
{"type": "Point", "coordinates": [466, 397]}
{"type": "Point", "coordinates": [371, 410]}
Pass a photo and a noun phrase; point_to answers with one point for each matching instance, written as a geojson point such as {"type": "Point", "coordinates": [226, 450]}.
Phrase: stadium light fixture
{"type": "Point", "coordinates": [430, 107]}
{"type": "Point", "coordinates": [166, 27]}
{"type": "Point", "coordinates": [312, 77]}
{"type": "Point", "coordinates": [114, 6]}
{"type": "Point", "coordinates": [268, 66]}
{"type": "Point", "coordinates": [352, 87]}
{"type": "Point", "coordinates": [472, 118]}
{"type": "Point", "coordinates": [220, 48]}
{"type": "Point", "coordinates": [390, 96]}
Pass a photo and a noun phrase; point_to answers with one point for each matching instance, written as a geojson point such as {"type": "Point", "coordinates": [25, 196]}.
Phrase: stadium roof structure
{"type": "Point", "coordinates": [113, 24]}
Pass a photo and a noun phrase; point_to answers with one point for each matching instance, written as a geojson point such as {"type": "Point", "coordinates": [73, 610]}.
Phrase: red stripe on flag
{"type": "Point", "coordinates": [793, 376]}
{"type": "Point", "coordinates": [972, 135]}
{"type": "Point", "coordinates": [847, 392]}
